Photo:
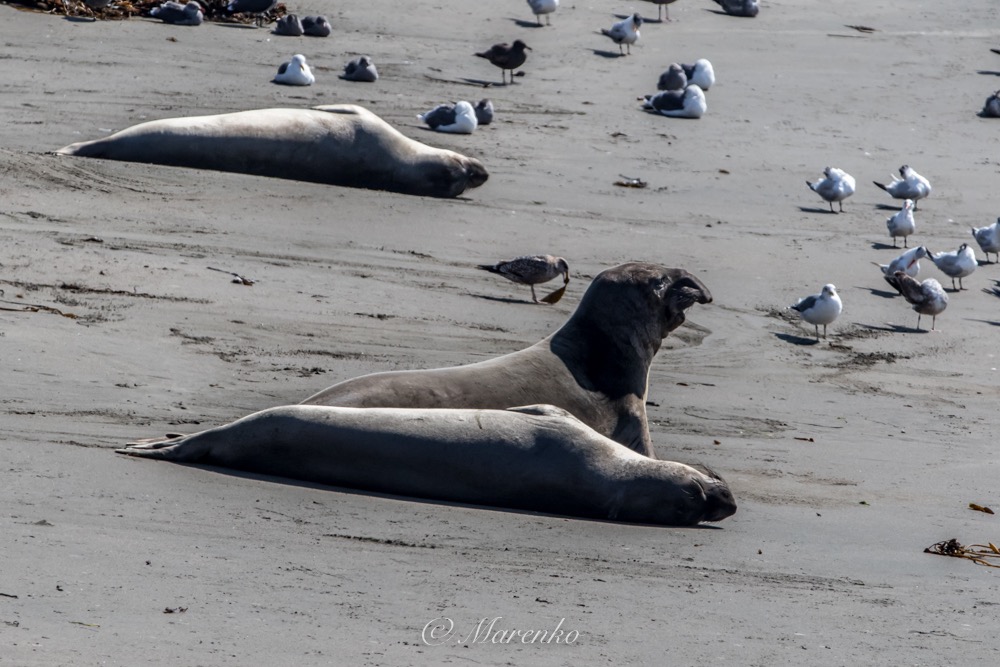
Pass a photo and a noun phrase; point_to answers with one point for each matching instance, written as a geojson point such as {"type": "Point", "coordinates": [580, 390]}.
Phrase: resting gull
{"type": "Point", "coordinates": [911, 186]}
{"type": "Point", "coordinates": [822, 308]}
{"type": "Point", "coordinates": [316, 26]}
{"type": "Point", "coordinates": [178, 14]}
{"type": "Point", "coordinates": [540, 7]}
{"type": "Point", "coordinates": [927, 297]}
{"type": "Point", "coordinates": [673, 78]}
{"type": "Point", "coordinates": [902, 223]}
{"type": "Point", "coordinates": [289, 25]}
{"type": "Point", "coordinates": [295, 72]}
{"type": "Point", "coordinates": [747, 8]}
{"type": "Point", "coordinates": [360, 69]}
{"type": "Point", "coordinates": [908, 262]}
{"type": "Point", "coordinates": [484, 112]}
{"type": "Point", "coordinates": [459, 118]}
{"type": "Point", "coordinates": [700, 73]}
{"type": "Point", "coordinates": [991, 109]}
{"type": "Point", "coordinates": [532, 270]}
{"type": "Point", "coordinates": [988, 239]}
{"type": "Point", "coordinates": [835, 186]}
{"type": "Point", "coordinates": [506, 57]}
{"type": "Point", "coordinates": [687, 103]}
{"type": "Point", "coordinates": [956, 264]}
{"type": "Point", "coordinates": [624, 32]}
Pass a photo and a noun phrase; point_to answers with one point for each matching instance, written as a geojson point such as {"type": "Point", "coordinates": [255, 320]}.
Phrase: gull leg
{"type": "Point", "coordinates": [533, 297]}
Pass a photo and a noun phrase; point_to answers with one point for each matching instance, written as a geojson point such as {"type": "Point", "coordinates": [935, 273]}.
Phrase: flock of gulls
{"type": "Point", "coordinates": [927, 297]}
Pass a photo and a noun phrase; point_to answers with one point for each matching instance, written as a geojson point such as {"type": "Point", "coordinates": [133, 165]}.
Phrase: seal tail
{"type": "Point", "coordinates": [880, 185]}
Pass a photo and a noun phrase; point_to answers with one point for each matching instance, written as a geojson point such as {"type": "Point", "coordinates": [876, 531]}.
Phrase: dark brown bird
{"type": "Point", "coordinates": [530, 271]}
{"type": "Point", "coordinates": [507, 57]}
{"type": "Point", "coordinates": [927, 297]}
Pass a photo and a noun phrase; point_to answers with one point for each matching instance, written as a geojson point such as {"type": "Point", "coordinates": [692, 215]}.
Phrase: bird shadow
{"type": "Point", "coordinates": [502, 299]}
{"type": "Point", "coordinates": [878, 245]}
{"type": "Point", "coordinates": [885, 294]}
{"type": "Point", "coordinates": [893, 328]}
{"type": "Point", "coordinates": [482, 84]}
{"type": "Point", "coordinates": [816, 209]}
{"type": "Point", "coordinates": [521, 23]}
{"type": "Point", "coordinates": [887, 207]}
{"type": "Point", "coordinates": [797, 340]}
{"type": "Point", "coordinates": [607, 54]}
{"type": "Point", "coordinates": [995, 290]}
{"type": "Point", "coordinates": [84, 19]}
{"type": "Point", "coordinates": [988, 72]}
{"type": "Point", "coordinates": [990, 322]}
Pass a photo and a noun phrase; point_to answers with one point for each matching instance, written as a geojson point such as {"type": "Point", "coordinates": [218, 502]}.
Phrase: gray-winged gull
{"type": "Point", "coordinates": [459, 118]}
{"type": "Point", "coordinates": [956, 264]}
{"type": "Point", "coordinates": [927, 297]}
{"type": "Point", "coordinates": [835, 186]}
{"type": "Point", "coordinates": [687, 103]}
{"type": "Point", "coordinates": [540, 7]}
{"type": "Point", "coordinates": [360, 69]}
{"type": "Point", "coordinates": [624, 32]}
{"type": "Point", "coordinates": [902, 223]}
{"type": "Point", "coordinates": [988, 239]}
{"type": "Point", "coordinates": [822, 308]}
{"type": "Point", "coordinates": [908, 262]}
{"type": "Point", "coordinates": [178, 14]}
{"type": "Point", "coordinates": [911, 186]}
{"type": "Point", "coordinates": [295, 72]}
{"type": "Point", "coordinates": [530, 271]}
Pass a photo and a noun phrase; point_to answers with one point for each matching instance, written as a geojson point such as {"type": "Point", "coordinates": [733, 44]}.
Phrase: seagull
{"type": "Point", "coordinates": [911, 186]}
{"type": "Point", "coordinates": [260, 8]}
{"type": "Point", "coordinates": [836, 186]}
{"type": "Point", "coordinates": [506, 57]}
{"type": "Point", "coordinates": [927, 297]}
{"type": "Point", "coordinates": [956, 264]}
{"type": "Point", "coordinates": [700, 73]}
{"type": "Point", "coordinates": [459, 118]}
{"type": "Point", "coordinates": [360, 69]}
{"type": "Point", "coordinates": [531, 270]}
{"type": "Point", "coordinates": [988, 239]}
{"type": "Point", "coordinates": [908, 263]}
{"type": "Point", "coordinates": [992, 107]}
{"type": "Point", "coordinates": [295, 72]}
{"type": "Point", "coordinates": [902, 223]}
{"type": "Point", "coordinates": [822, 308]}
{"type": "Point", "coordinates": [178, 14]}
{"type": "Point", "coordinates": [673, 78]}
{"type": "Point", "coordinates": [747, 8]}
{"type": "Point", "coordinates": [484, 112]}
{"type": "Point", "coordinates": [663, 6]}
{"type": "Point", "coordinates": [316, 26]}
{"type": "Point", "coordinates": [687, 103]}
{"type": "Point", "coordinates": [289, 25]}
{"type": "Point", "coordinates": [540, 7]}
{"type": "Point", "coordinates": [624, 32]}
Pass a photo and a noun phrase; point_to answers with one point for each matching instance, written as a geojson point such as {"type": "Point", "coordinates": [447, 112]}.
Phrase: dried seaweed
{"type": "Point", "coordinates": [980, 554]}
{"type": "Point", "coordinates": [214, 10]}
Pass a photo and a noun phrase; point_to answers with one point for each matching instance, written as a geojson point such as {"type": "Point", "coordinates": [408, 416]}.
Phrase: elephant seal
{"type": "Point", "coordinates": [535, 458]}
{"type": "Point", "coordinates": [338, 145]}
{"type": "Point", "coordinates": [596, 366]}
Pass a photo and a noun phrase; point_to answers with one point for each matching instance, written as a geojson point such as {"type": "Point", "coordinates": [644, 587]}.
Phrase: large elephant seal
{"type": "Point", "coordinates": [338, 145]}
{"type": "Point", "coordinates": [536, 458]}
{"type": "Point", "coordinates": [596, 366]}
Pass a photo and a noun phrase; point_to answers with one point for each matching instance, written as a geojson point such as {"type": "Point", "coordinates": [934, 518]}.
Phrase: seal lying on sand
{"type": "Point", "coordinates": [536, 458]}
{"type": "Point", "coordinates": [337, 145]}
{"type": "Point", "coordinates": [596, 366]}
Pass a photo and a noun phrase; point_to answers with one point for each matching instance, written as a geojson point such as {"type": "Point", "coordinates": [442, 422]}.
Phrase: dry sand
{"type": "Point", "coordinates": [848, 457]}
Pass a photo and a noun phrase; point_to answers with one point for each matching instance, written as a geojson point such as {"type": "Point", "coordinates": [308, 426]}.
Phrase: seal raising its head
{"type": "Point", "coordinates": [596, 366]}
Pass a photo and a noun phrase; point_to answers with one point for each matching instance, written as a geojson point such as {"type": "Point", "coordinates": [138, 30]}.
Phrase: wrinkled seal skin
{"type": "Point", "coordinates": [337, 145]}
{"type": "Point", "coordinates": [596, 366]}
{"type": "Point", "coordinates": [535, 458]}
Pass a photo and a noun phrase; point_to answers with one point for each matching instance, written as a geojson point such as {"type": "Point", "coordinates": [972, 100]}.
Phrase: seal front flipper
{"type": "Point", "coordinates": [173, 447]}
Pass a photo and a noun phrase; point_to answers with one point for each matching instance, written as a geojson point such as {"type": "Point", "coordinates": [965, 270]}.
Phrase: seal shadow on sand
{"type": "Point", "coordinates": [288, 481]}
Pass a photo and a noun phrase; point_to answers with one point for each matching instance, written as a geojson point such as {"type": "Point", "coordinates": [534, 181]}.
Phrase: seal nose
{"type": "Point", "coordinates": [719, 500]}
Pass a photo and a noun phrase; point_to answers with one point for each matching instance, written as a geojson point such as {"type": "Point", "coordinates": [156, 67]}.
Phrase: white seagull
{"type": "Point", "coordinates": [701, 73]}
{"type": "Point", "coordinates": [624, 32]}
{"type": "Point", "coordinates": [687, 103]}
{"type": "Point", "coordinates": [540, 7]}
{"type": "Point", "coordinates": [927, 297]}
{"type": "Point", "coordinates": [988, 239]}
{"type": "Point", "coordinates": [908, 263]}
{"type": "Point", "coordinates": [822, 308]}
{"type": "Point", "coordinates": [911, 186]}
{"type": "Point", "coordinates": [902, 223]}
{"type": "Point", "coordinates": [956, 264]}
{"type": "Point", "coordinates": [457, 119]}
{"type": "Point", "coordinates": [295, 72]}
{"type": "Point", "coordinates": [836, 186]}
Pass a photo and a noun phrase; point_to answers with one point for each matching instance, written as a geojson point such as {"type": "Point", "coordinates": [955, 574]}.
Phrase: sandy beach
{"type": "Point", "coordinates": [848, 456]}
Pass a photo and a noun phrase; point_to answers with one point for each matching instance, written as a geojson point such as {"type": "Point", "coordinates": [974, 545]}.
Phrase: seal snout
{"type": "Point", "coordinates": [719, 500]}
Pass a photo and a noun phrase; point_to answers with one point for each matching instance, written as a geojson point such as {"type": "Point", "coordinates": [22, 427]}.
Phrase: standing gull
{"type": "Point", "coordinates": [360, 69]}
{"type": "Point", "coordinates": [836, 186]}
{"type": "Point", "coordinates": [663, 8]}
{"type": "Point", "coordinates": [178, 14]}
{"type": "Point", "coordinates": [506, 57]}
{"type": "Point", "coordinates": [295, 72]}
{"type": "Point", "coordinates": [532, 270]}
{"type": "Point", "coordinates": [902, 223]}
{"type": "Point", "coordinates": [316, 26]}
{"type": "Point", "coordinates": [956, 264]}
{"type": "Point", "coordinates": [540, 7]}
{"type": "Point", "coordinates": [746, 8]}
{"type": "Point", "coordinates": [822, 308]}
{"type": "Point", "coordinates": [988, 239]}
{"type": "Point", "coordinates": [459, 118]}
{"type": "Point", "coordinates": [908, 262]}
{"type": "Point", "coordinates": [687, 103]}
{"type": "Point", "coordinates": [624, 32]}
{"type": "Point", "coordinates": [911, 186]}
{"type": "Point", "coordinates": [927, 297]}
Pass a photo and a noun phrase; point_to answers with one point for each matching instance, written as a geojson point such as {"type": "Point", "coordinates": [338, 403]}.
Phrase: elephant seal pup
{"type": "Point", "coordinates": [337, 145]}
{"type": "Point", "coordinates": [596, 366]}
{"type": "Point", "coordinates": [535, 458]}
